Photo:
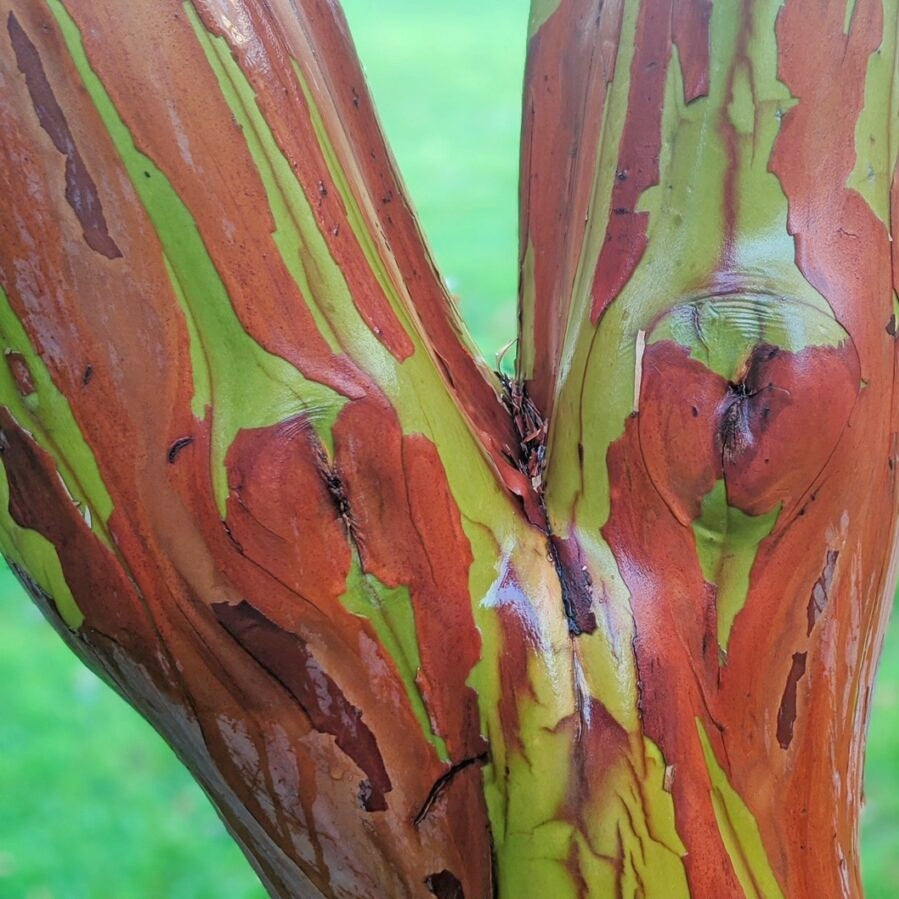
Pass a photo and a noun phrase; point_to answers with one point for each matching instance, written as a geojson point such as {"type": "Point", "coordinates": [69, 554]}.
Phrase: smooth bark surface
{"type": "Point", "coordinates": [605, 628]}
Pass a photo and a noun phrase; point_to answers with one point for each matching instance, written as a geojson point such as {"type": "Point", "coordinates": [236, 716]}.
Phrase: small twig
{"type": "Point", "coordinates": [531, 428]}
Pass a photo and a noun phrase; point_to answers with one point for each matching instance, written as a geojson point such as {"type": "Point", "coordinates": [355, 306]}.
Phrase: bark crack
{"type": "Point", "coordinates": [532, 429]}
{"type": "Point", "coordinates": [444, 781]}
{"type": "Point", "coordinates": [336, 486]}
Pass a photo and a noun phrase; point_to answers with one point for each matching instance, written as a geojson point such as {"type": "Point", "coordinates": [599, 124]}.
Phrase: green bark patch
{"type": "Point", "coordinates": [34, 553]}
{"type": "Point", "coordinates": [721, 332]}
{"type": "Point", "coordinates": [739, 830]}
{"type": "Point", "coordinates": [541, 11]}
{"type": "Point", "coordinates": [877, 147]}
{"type": "Point", "coordinates": [389, 609]}
{"type": "Point", "coordinates": [727, 543]}
{"type": "Point", "coordinates": [33, 400]}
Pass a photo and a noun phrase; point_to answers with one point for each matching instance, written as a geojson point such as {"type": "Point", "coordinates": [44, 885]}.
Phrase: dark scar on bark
{"type": "Point", "coordinates": [18, 367]}
{"type": "Point", "coordinates": [334, 483]}
{"type": "Point", "coordinates": [821, 591]}
{"type": "Point", "coordinates": [735, 428]}
{"type": "Point", "coordinates": [286, 657]}
{"type": "Point", "coordinates": [576, 584]}
{"type": "Point", "coordinates": [444, 781]}
{"type": "Point", "coordinates": [444, 885]}
{"type": "Point", "coordinates": [180, 444]}
{"type": "Point", "coordinates": [87, 376]}
{"type": "Point", "coordinates": [786, 715]}
{"type": "Point", "coordinates": [369, 798]}
{"type": "Point", "coordinates": [230, 534]}
{"type": "Point", "coordinates": [738, 414]}
{"type": "Point", "coordinates": [81, 191]}
{"type": "Point", "coordinates": [532, 430]}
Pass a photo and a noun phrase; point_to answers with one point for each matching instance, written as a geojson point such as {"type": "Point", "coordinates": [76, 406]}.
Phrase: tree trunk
{"type": "Point", "coordinates": [605, 628]}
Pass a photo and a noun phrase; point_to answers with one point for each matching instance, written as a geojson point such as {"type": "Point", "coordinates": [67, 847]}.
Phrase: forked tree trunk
{"type": "Point", "coordinates": [608, 628]}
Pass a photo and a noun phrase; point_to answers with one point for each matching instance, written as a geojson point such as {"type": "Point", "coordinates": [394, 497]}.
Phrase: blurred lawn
{"type": "Point", "coordinates": [92, 803]}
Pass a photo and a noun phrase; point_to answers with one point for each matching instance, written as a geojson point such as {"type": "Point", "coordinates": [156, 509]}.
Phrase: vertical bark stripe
{"type": "Point", "coordinates": [409, 533]}
{"type": "Point", "coordinates": [289, 107]}
{"type": "Point", "coordinates": [739, 830]}
{"type": "Point", "coordinates": [565, 104]}
{"type": "Point", "coordinates": [81, 191]}
{"type": "Point", "coordinates": [638, 158]}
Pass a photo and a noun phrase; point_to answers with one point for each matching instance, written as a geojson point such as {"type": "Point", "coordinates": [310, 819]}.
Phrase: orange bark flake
{"type": "Point", "coordinates": [281, 515]}
{"type": "Point", "coordinates": [409, 532]}
{"type": "Point", "coordinates": [763, 434]}
{"type": "Point", "coordinates": [690, 34]}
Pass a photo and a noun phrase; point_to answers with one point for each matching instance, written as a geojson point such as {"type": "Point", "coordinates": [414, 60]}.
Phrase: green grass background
{"type": "Point", "coordinates": [92, 803]}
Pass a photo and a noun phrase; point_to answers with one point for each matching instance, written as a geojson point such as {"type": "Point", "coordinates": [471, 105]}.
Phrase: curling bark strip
{"type": "Point", "coordinates": [607, 628]}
